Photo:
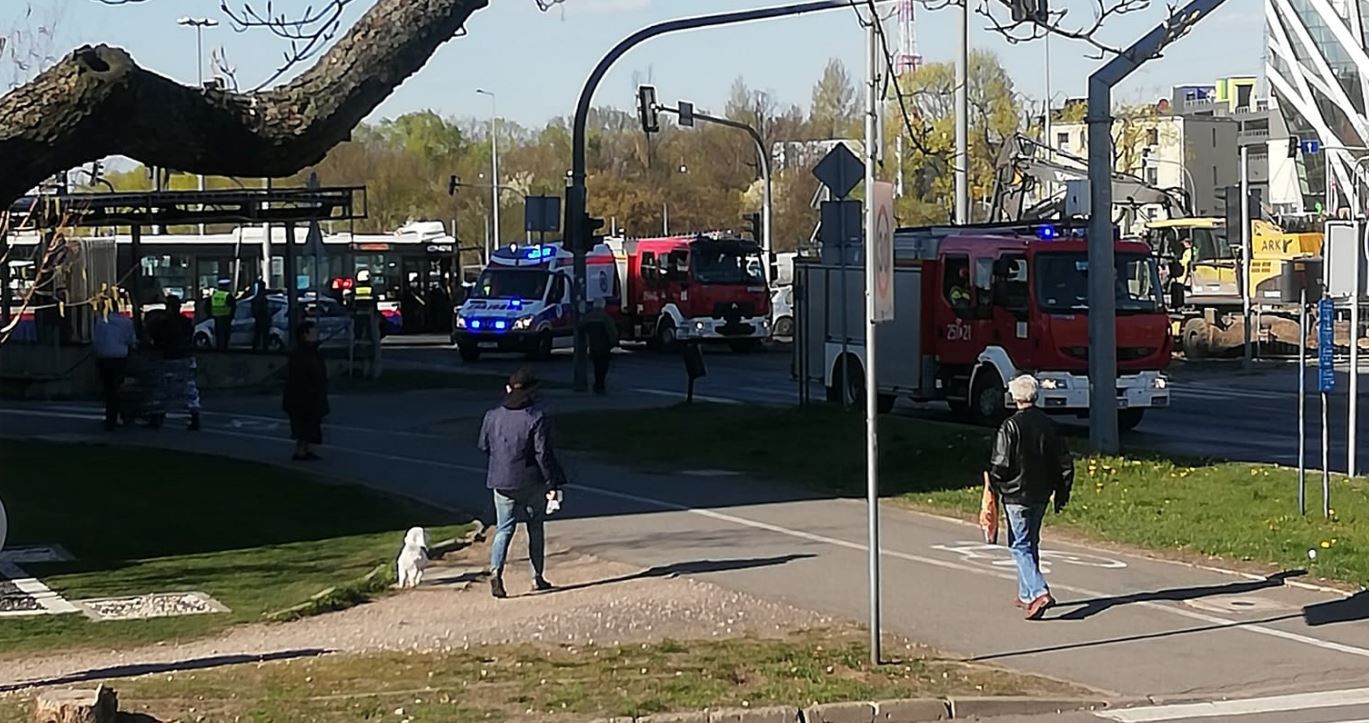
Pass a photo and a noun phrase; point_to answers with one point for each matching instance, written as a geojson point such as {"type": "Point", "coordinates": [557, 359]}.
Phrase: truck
{"type": "Point", "coordinates": [708, 288]}
{"type": "Point", "coordinates": [521, 300]}
{"type": "Point", "coordinates": [976, 306]}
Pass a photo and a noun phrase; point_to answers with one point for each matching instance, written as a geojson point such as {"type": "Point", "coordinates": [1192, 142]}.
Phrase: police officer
{"type": "Point", "coordinates": [221, 309]}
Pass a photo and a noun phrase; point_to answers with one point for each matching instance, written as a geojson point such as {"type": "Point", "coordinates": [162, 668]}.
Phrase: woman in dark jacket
{"type": "Point", "coordinates": [306, 392]}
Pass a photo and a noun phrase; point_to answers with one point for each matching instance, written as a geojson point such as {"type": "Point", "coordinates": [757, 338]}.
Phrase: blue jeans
{"type": "Point", "coordinates": [1024, 539]}
{"type": "Point", "coordinates": [528, 507]}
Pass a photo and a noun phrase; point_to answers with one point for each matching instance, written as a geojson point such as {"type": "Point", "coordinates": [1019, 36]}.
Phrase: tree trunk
{"type": "Point", "coordinates": [98, 102]}
{"type": "Point", "coordinates": [91, 705]}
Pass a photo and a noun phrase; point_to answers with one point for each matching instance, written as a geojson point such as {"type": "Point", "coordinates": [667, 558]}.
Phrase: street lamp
{"type": "Point", "coordinates": [494, 162]}
{"type": "Point", "coordinates": [199, 24]}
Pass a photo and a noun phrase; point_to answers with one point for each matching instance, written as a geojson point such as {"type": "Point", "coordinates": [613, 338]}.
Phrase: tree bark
{"type": "Point", "coordinates": [98, 102]}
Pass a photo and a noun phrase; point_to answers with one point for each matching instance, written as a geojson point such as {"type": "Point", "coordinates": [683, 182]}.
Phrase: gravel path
{"type": "Point", "coordinates": [599, 603]}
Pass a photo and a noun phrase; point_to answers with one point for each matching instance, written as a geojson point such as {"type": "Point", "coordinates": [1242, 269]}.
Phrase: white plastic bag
{"type": "Point", "coordinates": [553, 502]}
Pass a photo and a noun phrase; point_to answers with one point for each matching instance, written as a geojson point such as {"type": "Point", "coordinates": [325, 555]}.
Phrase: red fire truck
{"type": "Point", "coordinates": [706, 287]}
{"type": "Point", "coordinates": [974, 308]}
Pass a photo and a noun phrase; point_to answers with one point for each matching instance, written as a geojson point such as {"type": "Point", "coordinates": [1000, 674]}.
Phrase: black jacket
{"type": "Point", "coordinates": [1031, 461]}
{"type": "Point", "coordinates": [517, 437]}
{"type": "Point", "coordinates": [306, 384]}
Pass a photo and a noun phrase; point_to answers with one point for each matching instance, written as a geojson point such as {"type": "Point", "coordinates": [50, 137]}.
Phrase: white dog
{"type": "Point", "coordinates": [413, 558]}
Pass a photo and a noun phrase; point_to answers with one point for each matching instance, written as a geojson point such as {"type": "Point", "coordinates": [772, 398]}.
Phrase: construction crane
{"type": "Point", "coordinates": [907, 58]}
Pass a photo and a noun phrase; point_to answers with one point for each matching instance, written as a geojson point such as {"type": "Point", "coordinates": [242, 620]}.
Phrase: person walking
{"type": "Point", "coordinates": [173, 335]}
{"type": "Point", "coordinates": [221, 309]}
{"type": "Point", "coordinates": [1030, 465]}
{"type": "Point", "coordinates": [112, 339]}
{"type": "Point", "coordinates": [523, 475]}
{"type": "Point", "coordinates": [305, 399]}
{"type": "Point", "coordinates": [261, 317]}
{"type": "Point", "coordinates": [602, 336]}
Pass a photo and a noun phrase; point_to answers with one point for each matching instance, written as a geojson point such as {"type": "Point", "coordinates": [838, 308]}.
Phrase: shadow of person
{"type": "Point", "coordinates": [696, 567]}
{"type": "Point", "coordinates": [1085, 609]}
{"type": "Point", "coordinates": [1347, 610]}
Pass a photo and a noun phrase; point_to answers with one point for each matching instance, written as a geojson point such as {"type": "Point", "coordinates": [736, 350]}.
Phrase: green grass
{"type": "Point", "coordinates": [400, 380]}
{"type": "Point", "coordinates": [255, 537]}
{"type": "Point", "coordinates": [1239, 512]}
{"type": "Point", "coordinates": [536, 682]}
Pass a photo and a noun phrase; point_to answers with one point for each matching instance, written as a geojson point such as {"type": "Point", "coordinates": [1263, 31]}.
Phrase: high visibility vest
{"type": "Point", "coordinates": [218, 304]}
{"type": "Point", "coordinates": [363, 293]}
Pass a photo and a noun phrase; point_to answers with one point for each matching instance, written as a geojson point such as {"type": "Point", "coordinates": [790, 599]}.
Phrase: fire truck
{"type": "Point", "coordinates": [705, 287]}
{"type": "Point", "coordinates": [977, 306]}
{"type": "Point", "coordinates": [522, 300]}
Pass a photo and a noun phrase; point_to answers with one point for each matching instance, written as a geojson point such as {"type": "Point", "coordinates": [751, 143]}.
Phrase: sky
{"type": "Point", "coordinates": [536, 62]}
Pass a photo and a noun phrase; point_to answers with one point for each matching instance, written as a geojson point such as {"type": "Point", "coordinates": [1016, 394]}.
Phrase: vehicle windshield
{"type": "Point", "coordinates": [1062, 283]}
{"type": "Point", "coordinates": [511, 284]}
{"type": "Point", "coordinates": [721, 265]}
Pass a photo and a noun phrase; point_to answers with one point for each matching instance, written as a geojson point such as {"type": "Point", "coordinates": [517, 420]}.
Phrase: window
{"type": "Point", "coordinates": [1062, 140]}
{"type": "Point", "coordinates": [1214, 176]}
{"type": "Point", "coordinates": [955, 284]}
{"type": "Point", "coordinates": [1214, 137]}
{"type": "Point", "coordinates": [557, 294]}
{"type": "Point", "coordinates": [650, 274]}
{"type": "Point", "coordinates": [1152, 136]}
{"type": "Point", "coordinates": [983, 284]}
{"type": "Point", "coordinates": [679, 266]}
{"type": "Point", "coordinates": [1153, 176]}
{"type": "Point", "coordinates": [1013, 291]}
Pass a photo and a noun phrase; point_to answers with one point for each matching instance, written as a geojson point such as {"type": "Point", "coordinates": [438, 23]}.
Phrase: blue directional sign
{"type": "Point", "coordinates": [1326, 346]}
{"type": "Point", "coordinates": [1311, 145]}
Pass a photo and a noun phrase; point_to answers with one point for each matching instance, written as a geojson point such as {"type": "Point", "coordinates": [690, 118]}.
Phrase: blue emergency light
{"type": "Point", "coordinates": [540, 252]}
{"type": "Point", "coordinates": [475, 323]}
{"type": "Point", "coordinates": [516, 303]}
{"type": "Point", "coordinates": [500, 325]}
{"type": "Point", "coordinates": [1047, 233]}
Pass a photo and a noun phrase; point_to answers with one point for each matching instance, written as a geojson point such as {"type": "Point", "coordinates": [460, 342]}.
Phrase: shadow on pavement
{"type": "Point", "coordinates": [1085, 609]}
{"type": "Point", "coordinates": [697, 567]}
{"type": "Point", "coordinates": [131, 671]}
{"type": "Point", "coordinates": [1349, 610]}
{"type": "Point", "coordinates": [1130, 639]}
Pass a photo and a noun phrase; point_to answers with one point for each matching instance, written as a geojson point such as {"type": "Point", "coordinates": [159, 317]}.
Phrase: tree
{"type": "Point", "coordinates": [833, 114]}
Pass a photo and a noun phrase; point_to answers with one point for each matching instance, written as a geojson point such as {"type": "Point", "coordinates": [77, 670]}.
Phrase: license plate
{"type": "Point", "coordinates": [489, 345]}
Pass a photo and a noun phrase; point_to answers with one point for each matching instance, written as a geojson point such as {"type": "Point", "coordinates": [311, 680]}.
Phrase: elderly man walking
{"type": "Point", "coordinates": [1030, 465]}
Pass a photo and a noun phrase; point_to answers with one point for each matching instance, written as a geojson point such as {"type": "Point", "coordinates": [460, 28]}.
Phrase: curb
{"type": "Point", "coordinates": [908, 710]}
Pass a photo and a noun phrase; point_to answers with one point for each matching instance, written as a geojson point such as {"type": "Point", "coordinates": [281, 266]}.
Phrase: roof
{"type": "Point", "coordinates": [1208, 222]}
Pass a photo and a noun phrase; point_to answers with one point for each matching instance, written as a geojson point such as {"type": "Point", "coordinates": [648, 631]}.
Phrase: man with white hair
{"type": "Point", "coordinates": [1030, 465]}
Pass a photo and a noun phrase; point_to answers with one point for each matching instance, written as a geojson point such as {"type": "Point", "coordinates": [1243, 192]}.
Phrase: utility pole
{"type": "Point", "coordinates": [1102, 299]}
{"type": "Point", "coordinates": [494, 169]}
{"type": "Point", "coordinates": [962, 115]}
{"type": "Point", "coordinates": [1246, 291]}
{"type": "Point", "coordinates": [199, 24]}
{"type": "Point", "coordinates": [1048, 188]}
{"type": "Point", "coordinates": [578, 222]}
{"type": "Point", "coordinates": [868, 255]}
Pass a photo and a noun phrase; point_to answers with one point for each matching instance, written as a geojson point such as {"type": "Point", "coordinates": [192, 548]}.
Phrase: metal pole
{"type": "Point", "coordinates": [291, 285]}
{"type": "Point", "coordinates": [1352, 433]}
{"type": "Point", "coordinates": [962, 115]}
{"type": "Point", "coordinates": [1049, 188]}
{"type": "Point", "coordinates": [1302, 402]}
{"type": "Point", "coordinates": [1325, 461]}
{"type": "Point", "coordinates": [871, 357]}
{"type": "Point", "coordinates": [266, 241]}
{"type": "Point", "coordinates": [576, 201]}
{"type": "Point", "coordinates": [1246, 291]}
{"type": "Point", "coordinates": [135, 249]}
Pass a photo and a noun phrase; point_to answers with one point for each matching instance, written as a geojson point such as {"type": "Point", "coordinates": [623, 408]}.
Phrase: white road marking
{"type": "Point", "coordinates": [799, 534]}
{"type": "Point", "coordinates": [682, 395]}
{"type": "Point", "coordinates": [1248, 706]}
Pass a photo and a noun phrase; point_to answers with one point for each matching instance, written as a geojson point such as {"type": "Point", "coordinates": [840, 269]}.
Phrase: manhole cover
{"type": "Point", "coordinates": [159, 605]}
{"type": "Point", "coordinates": [1242, 604]}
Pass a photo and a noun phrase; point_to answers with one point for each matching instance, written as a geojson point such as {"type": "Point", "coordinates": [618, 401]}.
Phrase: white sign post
{"type": "Point", "coordinates": [882, 254]}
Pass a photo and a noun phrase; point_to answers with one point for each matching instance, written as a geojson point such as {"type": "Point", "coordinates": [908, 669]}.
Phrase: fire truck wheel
{"type": "Point", "coordinates": [1129, 419]}
{"type": "Point", "coordinates": [469, 352]}
{"type": "Point", "coordinates": [665, 335]}
{"type": "Point", "coordinates": [1196, 337]}
{"type": "Point", "coordinates": [784, 327]}
{"type": "Point", "coordinates": [542, 351]}
{"type": "Point", "coordinates": [987, 398]}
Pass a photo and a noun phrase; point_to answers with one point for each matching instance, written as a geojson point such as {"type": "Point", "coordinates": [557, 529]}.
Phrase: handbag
{"type": "Point", "coordinates": [988, 512]}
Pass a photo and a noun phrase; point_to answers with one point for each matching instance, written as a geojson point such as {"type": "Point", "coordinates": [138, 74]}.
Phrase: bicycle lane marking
{"type": "Point", "coordinates": [1001, 556]}
{"type": "Point", "coordinates": [1225, 623]}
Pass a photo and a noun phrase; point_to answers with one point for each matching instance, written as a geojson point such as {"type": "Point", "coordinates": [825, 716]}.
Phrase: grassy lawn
{"type": "Point", "coordinates": [255, 537]}
{"type": "Point", "coordinates": [1241, 512]}
{"type": "Point", "coordinates": [403, 380]}
{"type": "Point", "coordinates": [538, 683]}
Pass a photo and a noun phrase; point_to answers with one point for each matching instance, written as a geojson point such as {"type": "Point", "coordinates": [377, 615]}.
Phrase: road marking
{"type": "Point", "coordinates": [799, 534]}
{"type": "Point", "coordinates": [681, 395]}
{"type": "Point", "coordinates": [1248, 706]}
{"type": "Point", "coordinates": [1001, 556]}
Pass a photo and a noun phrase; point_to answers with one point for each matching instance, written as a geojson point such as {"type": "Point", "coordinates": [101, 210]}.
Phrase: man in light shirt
{"type": "Point", "coordinates": [111, 341]}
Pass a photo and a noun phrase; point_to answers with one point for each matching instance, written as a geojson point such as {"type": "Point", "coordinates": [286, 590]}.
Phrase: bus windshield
{"type": "Point", "coordinates": [496, 283]}
{"type": "Point", "coordinates": [727, 266]}
{"type": "Point", "coordinates": [1062, 283]}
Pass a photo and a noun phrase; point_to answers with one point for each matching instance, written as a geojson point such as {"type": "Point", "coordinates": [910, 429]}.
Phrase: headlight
{"type": "Point", "coordinates": [1160, 383]}
{"type": "Point", "coordinates": [1052, 384]}
{"type": "Point", "coordinates": [523, 323]}
{"type": "Point", "coordinates": [461, 322]}
{"type": "Point", "coordinates": [699, 326]}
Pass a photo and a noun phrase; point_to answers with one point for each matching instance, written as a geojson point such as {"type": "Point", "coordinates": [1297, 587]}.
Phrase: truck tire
{"type": "Point", "coordinates": [541, 350]}
{"type": "Point", "coordinates": [854, 384]}
{"type": "Point", "coordinates": [469, 351]}
{"type": "Point", "coordinates": [986, 399]}
{"type": "Point", "coordinates": [784, 327]}
{"type": "Point", "coordinates": [1196, 337]}
{"type": "Point", "coordinates": [1129, 419]}
{"type": "Point", "coordinates": [665, 335]}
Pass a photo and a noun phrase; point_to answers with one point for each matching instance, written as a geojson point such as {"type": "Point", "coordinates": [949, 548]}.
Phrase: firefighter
{"type": "Point", "coordinates": [960, 291]}
{"type": "Point", "coordinates": [1179, 274]}
{"type": "Point", "coordinates": [221, 309]}
{"type": "Point", "coordinates": [363, 299]}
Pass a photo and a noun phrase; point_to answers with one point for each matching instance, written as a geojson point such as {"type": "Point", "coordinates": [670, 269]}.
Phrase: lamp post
{"type": "Point", "coordinates": [494, 164]}
{"type": "Point", "coordinates": [199, 24]}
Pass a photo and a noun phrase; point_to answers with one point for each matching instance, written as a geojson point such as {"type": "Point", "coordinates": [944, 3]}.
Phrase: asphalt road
{"type": "Point", "coordinates": [1217, 410]}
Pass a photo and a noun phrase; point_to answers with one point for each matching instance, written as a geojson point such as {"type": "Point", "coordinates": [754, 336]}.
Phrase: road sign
{"type": "Point", "coordinates": [882, 253]}
{"type": "Point", "coordinates": [686, 114]}
{"type": "Point", "coordinates": [840, 170]}
{"type": "Point", "coordinates": [1310, 145]}
{"type": "Point", "coordinates": [1326, 346]}
{"type": "Point", "coordinates": [542, 214]}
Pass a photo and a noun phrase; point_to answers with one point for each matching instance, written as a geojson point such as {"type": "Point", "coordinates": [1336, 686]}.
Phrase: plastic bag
{"type": "Point", "coordinates": [988, 513]}
{"type": "Point", "coordinates": [554, 502]}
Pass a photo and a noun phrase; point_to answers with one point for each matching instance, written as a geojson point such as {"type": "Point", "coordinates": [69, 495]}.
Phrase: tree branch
{"type": "Point", "coordinates": [98, 102]}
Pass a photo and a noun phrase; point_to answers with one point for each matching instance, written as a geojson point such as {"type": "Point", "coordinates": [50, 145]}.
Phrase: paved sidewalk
{"type": "Point", "coordinates": [1127, 625]}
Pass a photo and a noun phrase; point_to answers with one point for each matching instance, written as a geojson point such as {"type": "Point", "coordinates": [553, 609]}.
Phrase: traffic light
{"type": "Point", "coordinates": [686, 114]}
{"type": "Point", "coordinates": [647, 111]}
{"type": "Point", "coordinates": [1294, 143]}
{"type": "Point", "coordinates": [754, 221]}
{"type": "Point", "coordinates": [1030, 11]}
{"type": "Point", "coordinates": [590, 236]}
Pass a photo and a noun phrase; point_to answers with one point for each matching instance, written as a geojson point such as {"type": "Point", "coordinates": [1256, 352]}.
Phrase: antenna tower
{"type": "Point", "coordinates": [907, 58]}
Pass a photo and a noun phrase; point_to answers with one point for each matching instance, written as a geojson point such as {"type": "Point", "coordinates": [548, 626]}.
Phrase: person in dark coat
{"type": "Point", "coordinates": [261, 317]}
{"type": "Point", "coordinates": [174, 336]}
{"type": "Point", "coordinates": [305, 399]}
{"type": "Point", "coordinates": [523, 475]}
{"type": "Point", "coordinates": [601, 334]}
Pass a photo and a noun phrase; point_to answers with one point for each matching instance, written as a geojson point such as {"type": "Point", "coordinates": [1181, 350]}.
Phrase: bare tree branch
{"type": "Point", "coordinates": [98, 102]}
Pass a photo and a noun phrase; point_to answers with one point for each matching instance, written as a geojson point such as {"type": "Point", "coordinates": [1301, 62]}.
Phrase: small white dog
{"type": "Point", "coordinates": [413, 558]}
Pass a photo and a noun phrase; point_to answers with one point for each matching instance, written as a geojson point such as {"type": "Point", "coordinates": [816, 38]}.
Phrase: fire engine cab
{"type": "Point", "coordinates": [707, 287]}
{"type": "Point", "coordinates": [521, 301]}
{"type": "Point", "coordinates": [974, 308]}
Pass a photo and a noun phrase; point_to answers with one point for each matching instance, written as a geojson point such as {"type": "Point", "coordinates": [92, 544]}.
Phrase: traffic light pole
{"type": "Point", "coordinates": [1102, 298]}
{"type": "Point", "coordinates": [577, 219]}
